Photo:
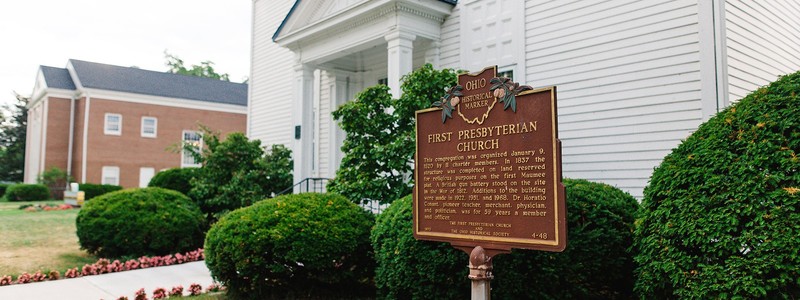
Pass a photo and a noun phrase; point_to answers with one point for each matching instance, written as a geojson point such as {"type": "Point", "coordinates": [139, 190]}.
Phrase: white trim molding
{"type": "Point", "coordinates": [166, 101]}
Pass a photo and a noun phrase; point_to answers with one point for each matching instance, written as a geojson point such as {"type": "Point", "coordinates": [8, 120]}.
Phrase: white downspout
{"type": "Point", "coordinates": [71, 134]}
{"type": "Point", "coordinates": [85, 136]}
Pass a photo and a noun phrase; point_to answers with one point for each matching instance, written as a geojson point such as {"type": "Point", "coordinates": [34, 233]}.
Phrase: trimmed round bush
{"type": "Point", "coordinates": [596, 263]}
{"type": "Point", "coordinates": [176, 179]}
{"type": "Point", "coordinates": [720, 215]}
{"type": "Point", "coordinates": [137, 222]}
{"type": "Point", "coordinates": [293, 246]}
{"type": "Point", "coordinates": [92, 190]}
{"type": "Point", "coordinates": [27, 192]}
{"type": "Point", "coordinates": [412, 269]}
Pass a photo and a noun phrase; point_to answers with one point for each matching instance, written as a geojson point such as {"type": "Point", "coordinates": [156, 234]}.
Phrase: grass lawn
{"type": "Point", "coordinates": [33, 241]}
{"type": "Point", "coordinates": [210, 296]}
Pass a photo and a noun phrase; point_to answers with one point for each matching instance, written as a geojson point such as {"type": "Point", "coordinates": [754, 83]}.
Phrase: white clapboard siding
{"type": "Point", "coordinates": [628, 79]}
{"type": "Point", "coordinates": [271, 77]}
{"type": "Point", "coordinates": [762, 42]}
{"type": "Point", "coordinates": [450, 48]}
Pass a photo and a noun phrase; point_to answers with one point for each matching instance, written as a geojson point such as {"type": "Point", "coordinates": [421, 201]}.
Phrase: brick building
{"type": "Point", "coordinates": [119, 125]}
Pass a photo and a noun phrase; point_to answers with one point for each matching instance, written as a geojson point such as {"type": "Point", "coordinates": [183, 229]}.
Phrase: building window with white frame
{"type": "Point", "coordinates": [149, 127]}
{"type": "Point", "coordinates": [113, 124]}
{"type": "Point", "coordinates": [110, 175]}
{"type": "Point", "coordinates": [507, 72]}
{"type": "Point", "coordinates": [194, 140]}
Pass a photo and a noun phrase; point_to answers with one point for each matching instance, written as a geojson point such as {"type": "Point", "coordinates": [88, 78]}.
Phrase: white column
{"type": "Point", "coordinates": [400, 49]}
{"type": "Point", "coordinates": [302, 116]}
{"type": "Point", "coordinates": [339, 95]}
{"type": "Point", "coordinates": [432, 54]}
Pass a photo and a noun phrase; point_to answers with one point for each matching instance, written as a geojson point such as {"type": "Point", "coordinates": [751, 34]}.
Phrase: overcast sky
{"type": "Point", "coordinates": [124, 33]}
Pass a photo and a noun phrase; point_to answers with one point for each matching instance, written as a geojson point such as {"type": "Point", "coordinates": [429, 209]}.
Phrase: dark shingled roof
{"type": "Point", "coordinates": [57, 78]}
{"type": "Point", "coordinates": [138, 81]}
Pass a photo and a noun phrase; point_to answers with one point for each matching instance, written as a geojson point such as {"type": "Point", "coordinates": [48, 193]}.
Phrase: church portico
{"type": "Point", "coordinates": [342, 47]}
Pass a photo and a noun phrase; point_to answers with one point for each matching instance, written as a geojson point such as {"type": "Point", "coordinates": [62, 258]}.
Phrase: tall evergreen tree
{"type": "Point", "coordinates": [13, 128]}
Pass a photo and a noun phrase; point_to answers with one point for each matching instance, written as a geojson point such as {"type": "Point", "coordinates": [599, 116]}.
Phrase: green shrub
{"type": "Point", "coordinates": [379, 146]}
{"type": "Point", "coordinates": [237, 172]}
{"type": "Point", "coordinates": [92, 190]}
{"type": "Point", "coordinates": [295, 246]}
{"type": "Point", "coordinates": [137, 222]}
{"type": "Point", "coordinates": [720, 215]}
{"type": "Point", "coordinates": [56, 181]}
{"type": "Point", "coordinates": [596, 263]}
{"type": "Point", "coordinates": [176, 179]}
{"type": "Point", "coordinates": [3, 188]}
{"type": "Point", "coordinates": [412, 269]}
{"type": "Point", "coordinates": [27, 192]}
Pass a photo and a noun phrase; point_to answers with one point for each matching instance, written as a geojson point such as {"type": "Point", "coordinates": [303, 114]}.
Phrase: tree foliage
{"type": "Point", "coordinates": [237, 172]}
{"type": "Point", "coordinates": [720, 215]}
{"type": "Point", "coordinates": [13, 129]}
{"type": "Point", "coordinates": [204, 69]}
{"type": "Point", "coordinates": [56, 180]}
{"type": "Point", "coordinates": [379, 146]}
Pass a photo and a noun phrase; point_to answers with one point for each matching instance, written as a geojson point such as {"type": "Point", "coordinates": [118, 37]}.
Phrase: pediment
{"type": "Point", "coordinates": [306, 13]}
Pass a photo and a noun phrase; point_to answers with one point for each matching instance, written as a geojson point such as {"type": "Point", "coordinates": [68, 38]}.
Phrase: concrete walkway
{"type": "Point", "coordinates": [112, 286]}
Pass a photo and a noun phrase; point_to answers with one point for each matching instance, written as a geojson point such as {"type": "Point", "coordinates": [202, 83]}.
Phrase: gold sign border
{"type": "Point", "coordinates": [465, 237]}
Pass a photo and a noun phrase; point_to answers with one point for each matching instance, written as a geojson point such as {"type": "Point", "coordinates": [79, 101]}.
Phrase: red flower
{"type": "Point", "coordinates": [177, 291]}
{"type": "Point", "coordinates": [159, 293]}
{"type": "Point", "coordinates": [195, 289]}
{"type": "Point", "coordinates": [140, 294]}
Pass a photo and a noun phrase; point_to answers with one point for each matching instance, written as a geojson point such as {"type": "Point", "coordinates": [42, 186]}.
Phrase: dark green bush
{"type": "Point", "coordinates": [720, 215]}
{"type": "Point", "coordinates": [3, 187]}
{"type": "Point", "coordinates": [295, 246]}
{"type": "Point", "coordinates": [136, 222]}
{"type": "Point", "coordinates": [237, 172]}
{"type": "Point", "coordinates": [27, 192]}
{"type": "Point", "coordinates": [596, 263]}
{"type": "Point", "coordinates": [412, 269]}
{"type": "Point", "coordinates": [92, 190]}
{"type": "Point", "coordinates": [379, 145]}
{"type": "Point", "coordinates": [176, 179]}
{"type": "Point", "coordinates": [56, 181]}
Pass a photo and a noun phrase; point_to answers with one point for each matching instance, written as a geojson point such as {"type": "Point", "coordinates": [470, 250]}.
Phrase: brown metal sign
{"type": "Point", "coordinates": [488, 167]}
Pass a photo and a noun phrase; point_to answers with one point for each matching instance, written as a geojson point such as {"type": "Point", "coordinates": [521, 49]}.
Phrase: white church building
{"type": "Point", "coordinates": [634, 77]}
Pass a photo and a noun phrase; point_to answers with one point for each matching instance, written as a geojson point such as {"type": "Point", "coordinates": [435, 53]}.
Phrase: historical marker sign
{"type": "Point", "coordinates": [488, 167]}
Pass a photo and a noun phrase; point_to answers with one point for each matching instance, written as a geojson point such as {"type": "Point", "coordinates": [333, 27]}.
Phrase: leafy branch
{"type": "Point", "coordinates": [449, 101]}
{"type": "Point", "coordinates": [506, 90]}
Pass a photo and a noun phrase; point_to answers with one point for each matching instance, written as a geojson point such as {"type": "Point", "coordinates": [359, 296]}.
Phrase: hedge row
{"type": "Point", "coordinates": [310, 245]}
{"type": "Point", "coordinates": [92, 190]}
{"type": "Point", "coordinates": [27, 192]}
